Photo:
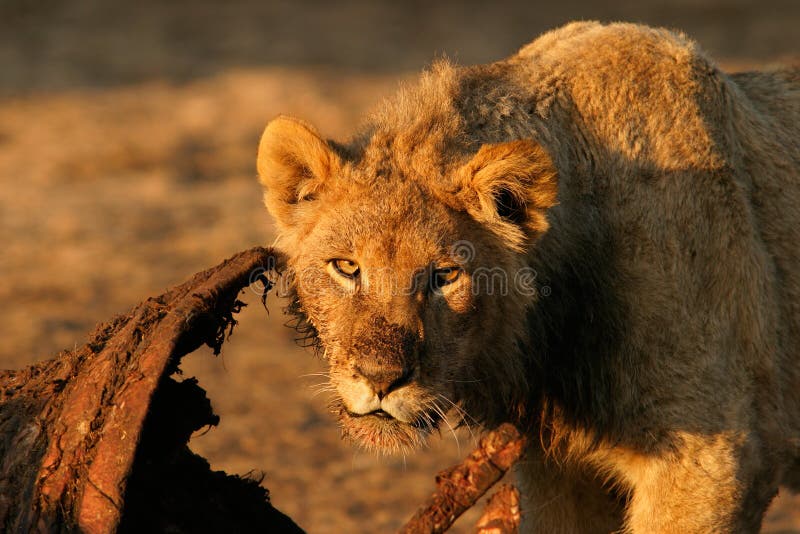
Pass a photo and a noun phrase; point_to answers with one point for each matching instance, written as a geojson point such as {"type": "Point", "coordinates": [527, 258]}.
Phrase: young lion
{"type": "Point", "coordinates": [597, 238]}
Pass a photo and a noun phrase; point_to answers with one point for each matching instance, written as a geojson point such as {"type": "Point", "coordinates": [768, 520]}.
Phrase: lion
{"type": "Point", "coordinates": [598, 239]}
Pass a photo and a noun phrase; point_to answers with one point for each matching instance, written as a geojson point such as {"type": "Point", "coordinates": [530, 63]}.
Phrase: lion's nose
{"type": "Point", "coordinates": [384, 378]}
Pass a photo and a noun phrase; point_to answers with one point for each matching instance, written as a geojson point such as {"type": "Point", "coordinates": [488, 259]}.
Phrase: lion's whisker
{"type": "Point", "coordinates": [462, 414]}
{"type": "Point", "coordinates": [324, 375]}
{"type": "Point", "coordinates": [324, 387]}
{"type": "Point", "coordinates": [435, 407]}
{"type": "Point", "coordinates": [475, 381]}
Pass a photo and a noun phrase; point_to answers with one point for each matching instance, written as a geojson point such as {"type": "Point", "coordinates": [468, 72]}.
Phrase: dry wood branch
{"type": "Point", "coordinates": [459, 487]}
{"type": "Point", "coordinates": [75, 429]}
{"type": "Point", "coordinates": [501, 515]}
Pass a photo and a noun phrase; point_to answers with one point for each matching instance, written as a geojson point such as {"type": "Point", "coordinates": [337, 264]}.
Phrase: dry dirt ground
{"type": "Point", "coordinates": [127, 148]}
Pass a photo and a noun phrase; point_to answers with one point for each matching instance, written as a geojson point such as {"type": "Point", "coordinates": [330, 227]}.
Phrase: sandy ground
{"type": "Point", "coordinates": [127, 150]}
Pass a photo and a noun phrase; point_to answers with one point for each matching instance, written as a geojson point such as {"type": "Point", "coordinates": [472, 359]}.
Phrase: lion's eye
{"type": "Point", "coordinates": [443, 277]}
{"type": "Point", "coordinates": [347, 268]}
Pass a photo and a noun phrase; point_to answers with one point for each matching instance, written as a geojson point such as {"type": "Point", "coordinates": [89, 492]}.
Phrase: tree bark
{"type": "Point", "coordinates": [501, 515]}
{"type": "Point", "coordinates": [460, 487]}
{"type": "Point", "coordinates": [95, 439]}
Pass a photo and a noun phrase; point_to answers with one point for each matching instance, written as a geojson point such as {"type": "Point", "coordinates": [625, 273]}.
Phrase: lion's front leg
{"type": "Point", "coordinates": [711, 484]}
{"type": "Point", "coordinates": [559, 499]}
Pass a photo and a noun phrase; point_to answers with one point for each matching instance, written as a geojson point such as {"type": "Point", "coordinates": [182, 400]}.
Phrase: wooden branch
{"type": "Point", "coordinates": [460, 487]}
{"type": "Point", "coordinates": [501, 515]}
{"type": "Point", "coordinates": [75, 429]}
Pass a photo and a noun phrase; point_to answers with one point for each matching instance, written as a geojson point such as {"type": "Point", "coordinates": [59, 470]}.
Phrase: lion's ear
{"type": "Point", "coordinates": [294, 163]}
{"type": "Point", "coordinates": [509, 186]}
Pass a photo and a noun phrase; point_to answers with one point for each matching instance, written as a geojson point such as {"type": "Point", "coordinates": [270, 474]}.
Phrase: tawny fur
{"type": "Point", "coordinates": [654, 200]}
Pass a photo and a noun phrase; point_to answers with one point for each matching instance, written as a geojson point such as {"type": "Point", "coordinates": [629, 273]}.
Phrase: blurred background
{"type": "Point", "coordinates": [128, 133]}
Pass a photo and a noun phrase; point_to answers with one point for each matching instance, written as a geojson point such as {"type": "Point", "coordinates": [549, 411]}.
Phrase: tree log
{"type": "Point", "coordinates": [501, 515]}
{"type": "Point", "coordinates": [95, 439]}
{"type": "Point", "coordinates": [460, 487]}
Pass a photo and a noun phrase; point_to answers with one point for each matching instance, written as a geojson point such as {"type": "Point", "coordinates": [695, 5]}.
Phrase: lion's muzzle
{"type": "Point", "coordinates": [385, 360]}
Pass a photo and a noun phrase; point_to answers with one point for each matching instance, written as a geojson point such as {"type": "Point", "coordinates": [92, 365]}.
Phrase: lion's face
{"type": "Point", "coordinates": [414, 298]}
{"type": "Point", "coordinates": [390, 290]}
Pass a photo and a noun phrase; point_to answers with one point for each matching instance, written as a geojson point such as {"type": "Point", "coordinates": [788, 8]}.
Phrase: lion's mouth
{"type": "Point", "coordinates": [425, 421]}
{"type": "Point", "coordinates": [376, 413]}
{"type": "Point", "coordinates": [382, 431]}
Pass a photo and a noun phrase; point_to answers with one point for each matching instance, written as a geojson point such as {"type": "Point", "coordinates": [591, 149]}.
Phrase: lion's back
{"type": "Point", "coordinates": [696, 174]}
{"type": "Point", "coordinates": [641, 96]}
{"type": "Point", "coordinates": [768, 127]}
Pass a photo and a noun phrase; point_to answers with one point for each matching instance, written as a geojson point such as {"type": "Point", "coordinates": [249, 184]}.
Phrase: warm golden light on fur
{"type": "Point", "coordinates": [597, 239]}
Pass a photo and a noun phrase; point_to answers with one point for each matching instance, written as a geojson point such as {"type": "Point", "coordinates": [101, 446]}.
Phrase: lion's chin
{"type": "Point", "coordinates": [383, 433]}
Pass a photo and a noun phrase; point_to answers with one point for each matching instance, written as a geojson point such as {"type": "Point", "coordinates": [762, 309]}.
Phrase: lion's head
{"type": "Point", "coordinates": [409, 264]}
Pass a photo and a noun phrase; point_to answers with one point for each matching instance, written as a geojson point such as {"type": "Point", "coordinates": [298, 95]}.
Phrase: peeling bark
{"type": "Point", "coordinates": [460, 487]}
{"type": "Point", "coordinates": [501, 515]}
{"type": "Point", "coordinates": [95, 439]}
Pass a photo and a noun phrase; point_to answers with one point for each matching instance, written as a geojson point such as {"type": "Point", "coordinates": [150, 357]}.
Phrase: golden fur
{"type": "Point", "coordinates": [597, 238]}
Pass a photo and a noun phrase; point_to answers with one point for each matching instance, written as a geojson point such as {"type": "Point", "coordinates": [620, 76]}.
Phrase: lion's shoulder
{"type": "Point", "coordinates": [597, 41]}
{"type": "Point", "coordinates": [646, 96]}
